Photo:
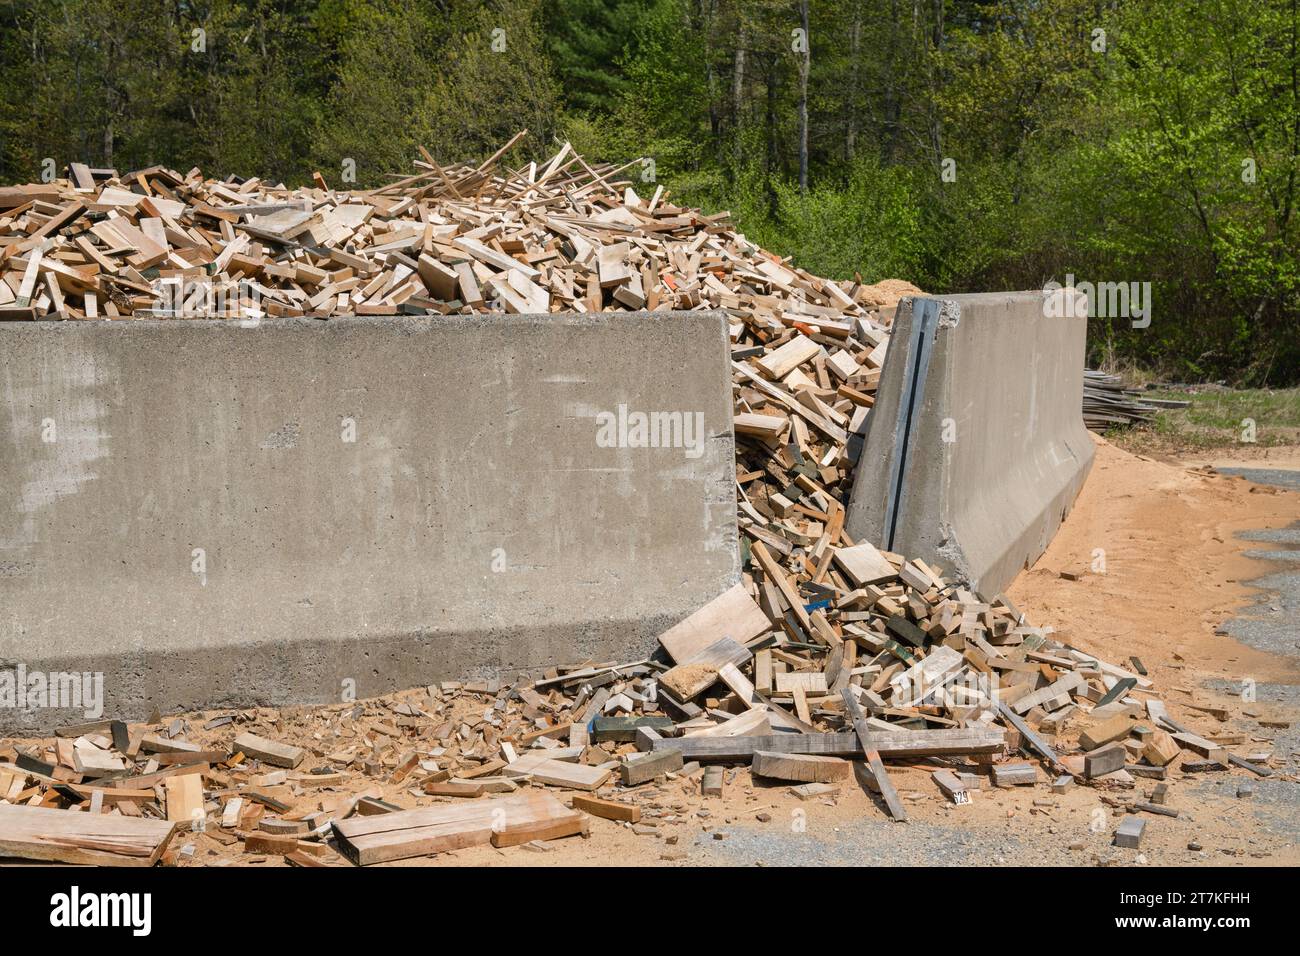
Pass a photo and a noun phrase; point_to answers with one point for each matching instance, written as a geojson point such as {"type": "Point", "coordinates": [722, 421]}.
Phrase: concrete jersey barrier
{"type": "Point", "coordinates": [210, 515]}
{"type": "Point", "coordinates": [976, 448]}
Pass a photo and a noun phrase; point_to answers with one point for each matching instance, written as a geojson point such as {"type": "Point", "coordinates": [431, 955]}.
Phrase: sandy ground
{"type": "Point", "coordinates": [1174, 572]}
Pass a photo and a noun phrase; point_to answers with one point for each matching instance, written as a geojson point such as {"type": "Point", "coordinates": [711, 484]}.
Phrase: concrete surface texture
{"type": "Point", "coordinates": [978, 471]}
{"type": "Point", "coordinates": [306, 511]}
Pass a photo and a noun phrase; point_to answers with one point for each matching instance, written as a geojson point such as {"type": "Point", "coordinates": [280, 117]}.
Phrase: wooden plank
{"type": "Point", "coordinates": [68, 836]}
{"type": "Point", "coordinates": [184, 798]}
{"type": "Point", "coordinates": [409, 833]}
{"type": "Point", "coordinates": [558, 773]}
{"type": "Point", "coordinates": [641, 768]}
{"type": "Point", "coordinates": [607, 809]}
{"type": "Point", "coordinates": [865, 565]}
{"type": "Point", "coordinates": [731, 614]}
{"type": "Point", "coordinates": [887, 792]}
{"type": "Point", "coordinates": [874, 763]}
{"type": "Point", "coordinates": [803, 768]}
{"type": "Point", "coordinates": [782, 361]}
{"type": "Point", "coordinates": [903, 743]}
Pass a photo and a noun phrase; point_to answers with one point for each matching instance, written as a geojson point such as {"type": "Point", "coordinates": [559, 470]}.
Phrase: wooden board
{"type": "Point", "coordinates": [903, 743]}
{"type": "Point", "coordinates": [408, 833]}
{"type": "Point", "coordinates": [608, 809]}
{"type": "Point", "coordinates": [184, 798]}
{"type": "Point", "coordinates": [540, 768]}
{"type": "Point", "coordinates": [70, 836]}
{"type": "Point", "coordinates": [877, 768]}
{"type": "Point", "coordinates": [803, 768]}
{"type": "Point", "coordinates": [731, 614]}
{"type": "Point", "coordinates": [865, 565]}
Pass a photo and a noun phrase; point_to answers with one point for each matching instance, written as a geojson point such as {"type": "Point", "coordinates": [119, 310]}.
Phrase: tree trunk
{"type": "Point", "coordinates": [738, 91]}
{"type": "Point", "coordinates": [805, 63]}
{"type": "Point", "coordinates": [855, 84]}
{"type": "Point", "coordinates": [890, 105]}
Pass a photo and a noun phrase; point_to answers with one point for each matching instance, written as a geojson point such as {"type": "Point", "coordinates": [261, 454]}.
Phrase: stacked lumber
{"type": "Point", "coordinates": [1107, 403]}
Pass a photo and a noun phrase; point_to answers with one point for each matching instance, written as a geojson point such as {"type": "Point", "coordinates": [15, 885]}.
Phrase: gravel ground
{"type": "Point", "coordinates": [1266, 476]}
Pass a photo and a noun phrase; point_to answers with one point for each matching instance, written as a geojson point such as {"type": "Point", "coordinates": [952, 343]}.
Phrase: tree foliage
{"type": "Point", "coordinates": [962, 145]}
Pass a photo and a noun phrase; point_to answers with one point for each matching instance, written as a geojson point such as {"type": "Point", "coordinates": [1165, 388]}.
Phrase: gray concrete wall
{"type": "Point", "coordinates": [474, 527]}
{"type": "Point", "coordinates": [1005, 384]}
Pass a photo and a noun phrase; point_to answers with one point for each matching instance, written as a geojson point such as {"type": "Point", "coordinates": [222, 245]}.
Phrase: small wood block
{"type": "Point", "coordinates": [643, 767]}
{"type": "Point", "coordinates": [270, 843]}
{"type": "Point", "coordinates": [269, 751]}
{"type": "Point", "coordinates": [814, 791]}
{"type": "Point", "coordinates": [623, 729]}
{"type": "Point", "coordinates": [1014, 775]}
{"type": "Point", "coordinates": [952, 786]}
{"type": "Point", "coordinates": [1129, 833]}
{"type": "Point", "coordinates": [711, 785]}
{"type": "Point", "coordinates": [1106, 760]}
{"type": "Point", "coordinates": [1103, 733]}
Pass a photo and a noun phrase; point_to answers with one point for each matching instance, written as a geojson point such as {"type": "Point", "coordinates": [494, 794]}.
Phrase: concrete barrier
{"type": "Point", "coordinates": [976, 448]}
{"type": "Point", "coordinates": [210, 515]}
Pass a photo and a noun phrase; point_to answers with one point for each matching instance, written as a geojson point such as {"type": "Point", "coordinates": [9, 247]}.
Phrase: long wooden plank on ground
{"type": "Point", "coordinates": [903, 743]}
{"type": "Point", "coordinates": [408, 833]}
{"type": "Point", "coordinates": [877, 767]}
{"type": "Point", "coordinates": [71, 836]}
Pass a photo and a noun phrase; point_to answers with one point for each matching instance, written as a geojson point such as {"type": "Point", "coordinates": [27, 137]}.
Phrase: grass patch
{"type": "Point", "coordinates": [1217, 418]}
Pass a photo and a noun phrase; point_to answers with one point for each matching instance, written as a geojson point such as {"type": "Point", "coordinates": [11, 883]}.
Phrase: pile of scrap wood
{"type": "Point", "coordinates": [815, 672]}
{"type": "Point", "coordinates": [561, 235]}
